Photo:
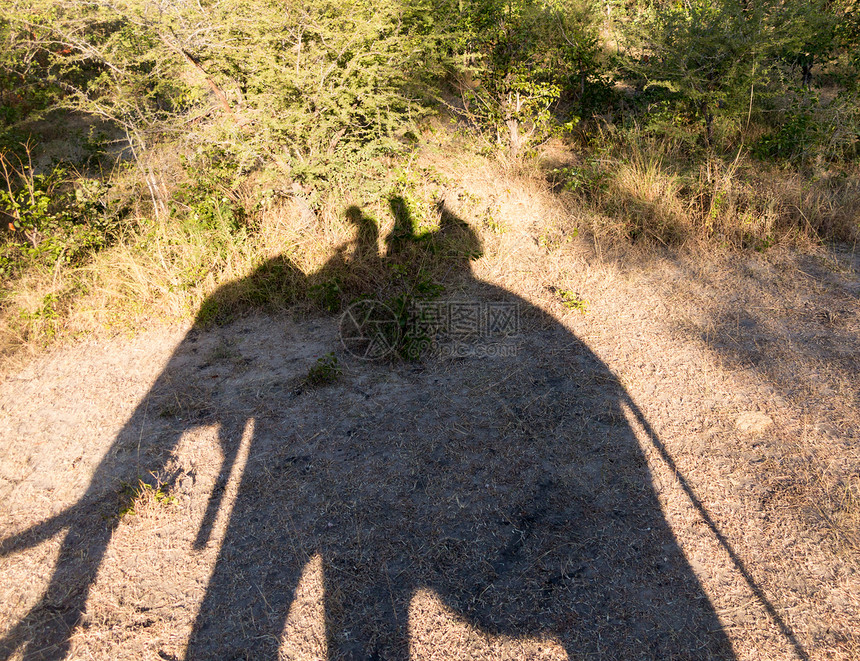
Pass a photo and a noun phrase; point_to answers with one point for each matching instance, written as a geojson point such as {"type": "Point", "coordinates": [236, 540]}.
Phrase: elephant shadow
{"type": "Point", "coordinates": [499, 473]}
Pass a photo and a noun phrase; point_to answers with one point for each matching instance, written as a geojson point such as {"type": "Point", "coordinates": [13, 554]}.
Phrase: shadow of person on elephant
{"type": "Point", "coordinates": [498, 473]}
{"type": "Point", "coordinates": [494, 469]}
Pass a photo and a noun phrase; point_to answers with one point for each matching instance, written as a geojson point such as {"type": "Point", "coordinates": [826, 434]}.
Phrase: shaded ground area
{"type": "Point", "coordinates": [514, 491]}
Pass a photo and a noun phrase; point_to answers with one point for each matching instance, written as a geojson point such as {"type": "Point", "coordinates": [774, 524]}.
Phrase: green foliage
{"type": "Point", "coordinates": [51, 215]}
{"type": "Point", "coordinates": [313, 86]}
{"type": "Point", "coordinates": [30, 206]}
{"type": "Point", "coordinates": [410, 341]}
{"type": "Point", "coordinates": [320, 84]}
{"type": "Point", "coordinates": [322, 100]}
{"type": "Point", "coordinates": [723, 57]}
{"type": "Point", "coordinates": [208, 208]}
{"type": "Point", "coordinates": [327, 294]}
{"type": "Point", "coordinates": [513, 62]}
{"type": "Point", "coordinates": [27, 86]}
{"type": "Point", "coordinates": [134, 498]}
{"type": "Point", "coordinates": [588, 179]}
{"type": "Point", "coordinates": [690, 52]}
{"type": "Point", "coordinates": [847, 35]}
{"type": "Point", "coordinates": [325, 371]}
{"type": "Point", "coordinates": [796, 137]}
{"type": "Point", "coordinates": [572, 301]}
{"type": "Point", "coordinates": [46, 311]}
{"type": "Point", "coordinates": [322, 89]}
{"type": "Point", "coordinates": [809, 130]}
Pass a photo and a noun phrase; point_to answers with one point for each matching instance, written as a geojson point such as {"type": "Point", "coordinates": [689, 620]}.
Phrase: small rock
{"type": "Point", "coordinates": [753, 422]}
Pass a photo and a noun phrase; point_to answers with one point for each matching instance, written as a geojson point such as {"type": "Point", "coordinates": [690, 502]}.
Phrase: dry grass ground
{"type": "Point", "coordinates": [671, 474]}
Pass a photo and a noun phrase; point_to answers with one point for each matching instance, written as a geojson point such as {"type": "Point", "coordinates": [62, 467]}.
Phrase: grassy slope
{"type": "Point", "coordinates": [632, 191]}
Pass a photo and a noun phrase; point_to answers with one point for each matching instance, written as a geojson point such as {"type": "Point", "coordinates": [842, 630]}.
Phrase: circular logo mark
{"type": "Point", "coordinates": [369, 330]}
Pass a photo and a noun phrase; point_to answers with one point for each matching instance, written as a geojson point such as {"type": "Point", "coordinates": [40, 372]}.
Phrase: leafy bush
{"type": "Point", "coordinates": [325, 371]}
{"type": "Point", "coordinates": [51, 215]}
{"type": "Point", "coordinates": [513, 62]}
{"type": "Point", "coordinates": [798, 135]}
{"type": "Point", "coordinates": [721, 57]}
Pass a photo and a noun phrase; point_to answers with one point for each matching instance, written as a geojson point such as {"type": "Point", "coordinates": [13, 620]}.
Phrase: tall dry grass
{"type": "Point", "coordinates": [309, 252]}
{"type": "Point", "coordinates": [653, 188]}
{"type": "Point", "coordinates": [290, 248]}
{"type": "Point", "coordinates": [163, 273]}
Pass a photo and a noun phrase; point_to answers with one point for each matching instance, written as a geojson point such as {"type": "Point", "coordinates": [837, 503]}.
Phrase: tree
{"type": "Point", "coordinates": [727, 55]}
{"type": "Point", "coordinates": [514, 60]}
{"type": "Point", "coordinates": [300, 83]}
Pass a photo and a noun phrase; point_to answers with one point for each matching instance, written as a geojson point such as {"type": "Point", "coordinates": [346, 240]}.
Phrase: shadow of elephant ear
{"type": "Point", "coordinates": [455, 239]}
{"type": "Point", "coordinates": [274, 285]}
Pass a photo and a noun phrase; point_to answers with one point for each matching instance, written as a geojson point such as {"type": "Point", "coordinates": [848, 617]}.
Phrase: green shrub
{"type": "Point", "coordinates": [325, 371]}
